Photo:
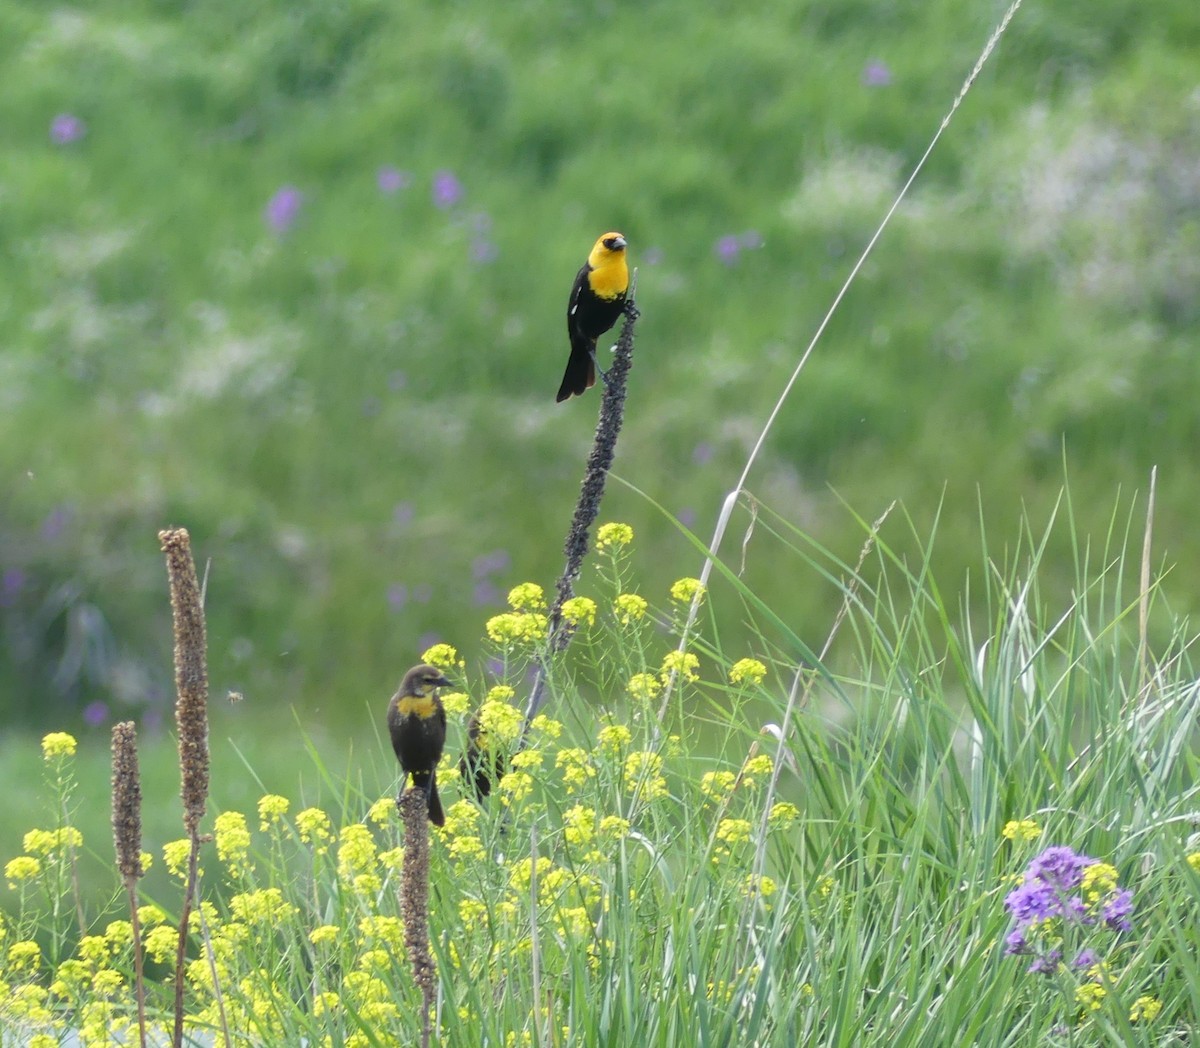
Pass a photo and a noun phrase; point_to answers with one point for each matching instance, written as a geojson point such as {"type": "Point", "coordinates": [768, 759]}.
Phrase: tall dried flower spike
{"type": "Point", "coordinates": [126, 801]}
{"type": "Point", "coordinates": [414, 898]}
{"type": "Point", "coordinates": [191, 674]}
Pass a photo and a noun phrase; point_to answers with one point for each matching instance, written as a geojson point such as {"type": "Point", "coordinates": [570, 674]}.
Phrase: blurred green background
{"type": "Point", "coordinates": [293, 275]}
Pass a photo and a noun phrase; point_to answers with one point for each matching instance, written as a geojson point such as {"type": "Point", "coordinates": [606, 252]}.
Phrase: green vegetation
{"type": "Point", "coordinates": [658, 869]}
{"type": "Point", "coordinates": [230, 299]}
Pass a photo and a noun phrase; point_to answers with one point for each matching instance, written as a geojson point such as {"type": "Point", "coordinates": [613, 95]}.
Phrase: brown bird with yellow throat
{"type": "Point", "coordinates": [597, 299]}
{"type": "Point", "coordinates": [417, 724]}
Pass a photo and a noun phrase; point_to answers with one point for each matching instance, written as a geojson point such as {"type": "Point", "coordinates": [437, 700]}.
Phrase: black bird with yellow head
{"type": "Point", "coordinates": [417, 724]}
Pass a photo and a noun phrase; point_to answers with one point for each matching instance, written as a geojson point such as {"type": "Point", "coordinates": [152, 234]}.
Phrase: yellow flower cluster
{"type": "Point", "coordinates": [747, 671]}
{"type": "Point", "coordinates": [579, 611]}
{"type": "Point", "coordinates": [58, 744]}
{"type": "Point", "coordinates": [612, 537]}
{"type": "Point", "coordinates": [685, 590]}
{"type": "Point", "coordinates": [1021, 830]}
{"type": "Point", "coordinates": [682, 664]}
{"type": "Point", "coordinates": [629, 608]}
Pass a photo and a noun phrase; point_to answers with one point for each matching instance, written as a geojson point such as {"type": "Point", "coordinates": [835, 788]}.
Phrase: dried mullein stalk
{"type": "Point", "coordinates": [127, 836]}
{"type": "Point", "coordinates": [191, 674]}
{"type": "Point", "coordinates": [414, 899]}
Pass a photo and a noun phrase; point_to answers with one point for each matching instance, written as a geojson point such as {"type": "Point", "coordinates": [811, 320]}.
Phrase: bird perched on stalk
{"type": "Point", "coordinates": [479, 765]}
{"type": "Point", "coordinates": [597, 299]}
{"type": "Point", "coordinates": [417, 724]}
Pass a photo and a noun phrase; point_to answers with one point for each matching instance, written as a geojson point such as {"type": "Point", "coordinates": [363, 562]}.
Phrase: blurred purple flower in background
{"type": "Point", "coordinates": [447, 189]}
{"type": "Point", "coordinates": [403, 513]}
{"type": "Point", "coordinates": [728, 248]}
{"type": "Point", "coordinates": [876, 74]}
{"type": "Point", "coordinates": [652, 256]}
{"type": "Point", "coordinates": [687, 517]}
{"type": "Point", "coordinates": [490, 563]}
{"type": "Point", "coordinates": [95, 714]}
{"type": "Point", "coordinates": [428, 640]}
{"type": "Point", "coordinates": [702, 453]}
{"type": "Point", "coordinates": [392, 180]}
{"type": "Point", "coordinates": [751, 240]}
{"type": "Point", "coordinates": [397, 596]}
{"type": "Point", "coordinates": [56, 523]}
{"type": "Point", "coordinates": [397, 380]}
{"type": "Point", "coordinates": [11, 584]}
{"type": "Point", "coordinates": [483, 251]}
{"type": "Point", "coordinates": [66, 128]}
{"type": "Point", "coordinates": [486, 594]}
{"type": "Point", "coordinates": [283, 208]}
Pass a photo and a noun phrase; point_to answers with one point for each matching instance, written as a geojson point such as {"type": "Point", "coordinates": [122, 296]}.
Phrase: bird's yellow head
{"type": "Point", "coordinates": [609, 250]}
{"type": "Point", "coordinates": [423, 680]}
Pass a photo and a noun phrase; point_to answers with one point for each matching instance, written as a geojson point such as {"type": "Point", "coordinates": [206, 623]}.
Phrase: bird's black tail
{"type": "Point", "coordinates": [428, 782]}
{"type": "Point", "coordinates": [580, 375]}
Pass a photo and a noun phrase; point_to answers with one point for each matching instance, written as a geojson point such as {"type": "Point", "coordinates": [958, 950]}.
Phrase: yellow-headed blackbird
{"type": "Point", "coordinates": [478, 765]}
{"type": "Point", "coordinates": [417, 723]}
{"type": "Point", "coordinates": [597, 299]}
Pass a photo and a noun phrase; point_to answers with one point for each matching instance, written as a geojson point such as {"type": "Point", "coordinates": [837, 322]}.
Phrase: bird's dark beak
{"type": "Point", "coordinates": [442, 682]}
{"type": "Point", "coordinates": [618, 243]}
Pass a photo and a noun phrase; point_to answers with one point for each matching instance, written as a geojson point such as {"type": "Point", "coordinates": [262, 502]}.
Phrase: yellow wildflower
{"type": "Point", "coordinates": [643, 687]}
{"type": "Point", "coordinates": [313, 825]}
{"type": "Point", "coordinates": [271, 810]}
{"type": "Point", "coordinates": [22, 868]}
{"type": "Point", "coordinates": [612, 536]}
{"type": "Point", "coordinates": [472, 912]}
{"type": "Point", "coordinates": [382, 810]}
{"type": "Point", "coordinates": [576, 766]}
{"type": "Point", "coordinates": [1021, 830]}
{"type": "Point", "coordinates": [466, 848]}
{"type": "Point", "coordinates": [392, 859]}
{"type": "Point", "coordinates": [579, 611]}
{"type": "Point", "coordinates": [579, 824]}
{"type": "Point", "coordinates": [680, 663]}
{"type": "Point", "coordinates": [456, 703]}
{"type": "Point", "coordinates": [629, 608]}
{"type": "Point", "coordinates": [1145, 1009]}
{"type": "Point", "coordinates": [519, 874]}
{"type": "Point", "coordinates": [733, 831]}
{"type": "Point", "coordinates": [1090, 995]}
{"type": "Point", "coordinates": [501, 721]}
{"type": "Point", "coordinates": [24, 954]}
{"type": "Point", "coordinates": [1193, 861]}
{"type": "Point", "coordinates": [756, 768]}
{"type": "Point", "coordinates": [643, 773]}
{"type": "Point", "coordinates": [264, 906]}
{"type": "Point", "coordinates": [160, 943]}
{"type": "Point", "coordinates": [614, 828]}
{"type": "Point", "coordinates": [716, 784]}
{"type": "Point", "coordinates": [118, 934]}
{"type": "Point", "coordinates": [1099, 880]}
{"type": "Point", "coordinates": [614, 737]}
{"type": "Point", "coordinates": [444, 656]}
{"type": "Point", "coordinates": [516, 627]}
{"type": "Point", "coordinates": [515, 787]}
{"type": "Point", "coordinates": [528, 596]}
{"type": "Point", "coordinates": [233, 839]}
{"type": "Point", "coordinates": [324, 1003]}
{"type": "Point", "coordinates": [783, 814]}
{"type": "Point", "coordinates": [43, 842]}
{"type": "Point", "coordinates": [686, 590]}
{"type": "Point", "coordinates": [356, 850]}
{"type": "Point", "coordinates": [382, 928]}
{"type": "Point", "coordinates": [527, 759]}
{"type": "Point", "coordinates": [747, 670]}
{"type": "Point", "coordinates": [57, 744]}
{"type": "Point", "coordinates": [546, 726]}
{"type": "Point", "coordinates": [324, 934]}
{"type": "Point", "coordinates": [764, 886]}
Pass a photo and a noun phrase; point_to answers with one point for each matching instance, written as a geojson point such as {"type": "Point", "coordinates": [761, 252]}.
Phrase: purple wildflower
{"type": "Point", "coordinates": [1016, 943]}
{"type": "Point", "coordinates": [876, 74]}
{"type": "Point", "coordinates": [403, 514]}
{"type": "Point", "coordinates": [687, 517]}
{"type": "Point", "coordinates": [283, 208]}
{"type": "Point", "coordinates": [66, 128]}
{"type": "Point", "coordinates": [95, 713]}
{"type": "Point", "coordinates": [447, 189]}
{"type": "Point", "coordinates": [392, 180]}
{"type": "Point", "coordinates": [490, 563]}
{"type": "Point", "coordinates": [11, 584]}
{"type": "Point", "coordinates": [1032, 901]}
{"type": "Point", "coordinates": [1060, 867]}
{"type": "Point", "coordinates": [1086, 959]}
{"type": "Point", "coordinates": [486, 594]}
{"type": "Point", "coordinates": [702, 453]}
{"type": "Point", "coordinates": [728, 248]}
{"type": "Point", "coordinates": [1118, 909]}
{"type": "Point", "coordinates": [483, 251]}
{"type": "Point", "coordinates": [1046, 964]}
{"type": "Point", "coordinates": [397, 596]}
{"type": "Point", "coordinates": [56, 523]}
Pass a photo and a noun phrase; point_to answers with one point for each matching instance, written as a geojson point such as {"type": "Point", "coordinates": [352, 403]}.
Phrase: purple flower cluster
{"type": "Point", "coordinates": [730, 247]}
{"type": "Point", "coordinates": [1058, 899]}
